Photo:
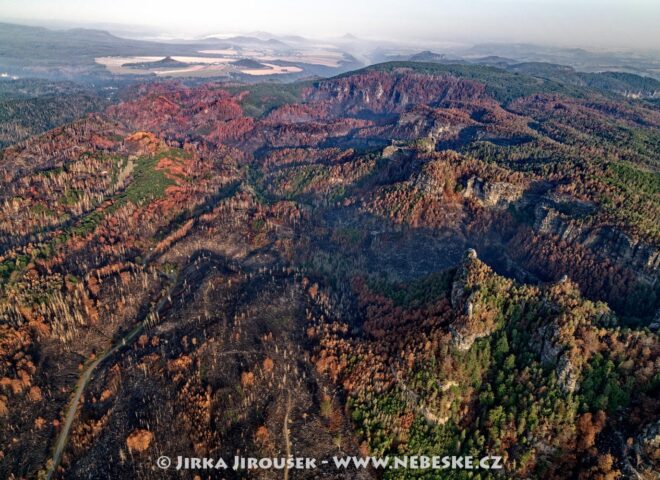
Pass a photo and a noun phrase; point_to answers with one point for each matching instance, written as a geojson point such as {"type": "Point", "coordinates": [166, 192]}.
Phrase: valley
{"type": "Point", "coordinates": [408, 259]}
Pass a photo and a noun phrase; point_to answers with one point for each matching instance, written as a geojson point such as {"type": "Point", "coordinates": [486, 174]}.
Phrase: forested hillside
{"type": "Point", "coordinates": [407, 259]}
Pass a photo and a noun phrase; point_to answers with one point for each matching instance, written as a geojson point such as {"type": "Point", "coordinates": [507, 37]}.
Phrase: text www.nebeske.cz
{"type": "Point", "coordinates": [415, 462]}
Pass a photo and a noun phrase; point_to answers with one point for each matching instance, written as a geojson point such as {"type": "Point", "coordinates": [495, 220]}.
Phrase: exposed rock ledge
{"type": "Point", "coordinates": [605, 241]}
{"type": "Point", "coordinates": [467, 329]}
{"type": "Point", "coordinates": [495, 194]}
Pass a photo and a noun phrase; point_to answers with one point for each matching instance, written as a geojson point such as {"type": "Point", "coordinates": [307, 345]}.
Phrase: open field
{"type": "Point", "coordinates": [317, 56]}
{"type": "Point", "coordinates": [274, 69]}
{"type": "Point", "coordinates": [197, 66]}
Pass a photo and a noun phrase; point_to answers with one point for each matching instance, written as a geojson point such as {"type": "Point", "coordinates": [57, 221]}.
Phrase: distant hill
{"type": "Point", "coordinates": [502, 85]}
{"type": "Point", "coordinates": [167, 62]}
{"type": "Point", "coordinates": [70, 54]}
{"type": "Point", "coordinates": [41, 45]}
{"type": "Point", "coordinates": [641, 62]}
{"type": "Point", "coordinates": [30, 106]}
{"type": "Point", "coordinates": [428, 56]}
{"type": "Point", "coordinates": [610, 82]}
{"type": "Point", "coordinates": [508, 82]}
{"type": "Point", "coordinates": [245, 40]}
{"type": "Point", "coordinates": [248, 63]}
{"type": "Point", "coordinates": [495, 61]}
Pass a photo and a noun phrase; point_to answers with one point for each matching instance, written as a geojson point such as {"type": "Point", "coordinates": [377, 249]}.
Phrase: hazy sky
{"type": "Point", "coordinates": [590, 23]}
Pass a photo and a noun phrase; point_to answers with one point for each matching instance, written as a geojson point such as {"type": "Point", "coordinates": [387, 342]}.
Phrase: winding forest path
{"type": "Point", "coordinates": [287, 441]}
{"type": "Point", "coordinates": [72, 409]}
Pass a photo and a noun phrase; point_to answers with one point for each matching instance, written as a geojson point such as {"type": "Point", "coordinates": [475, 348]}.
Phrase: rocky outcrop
{"type": "Point", "coordinates": [386, 93]}
{"type": "Point", "coordinates": [550, 348]}
{"type": "Point", "coordinates": [438, 124]}
{"type": "Point", "coordinates": [468, 327]}
{"type": "Point", "coordinates": [605, 241]}
{"type": "Point", "coordinates": [492, 194]}
{"type": "Point", "coordinates": [554, 353]}
{"type": "Point", "coordinates": [567, 374]}
{"type": "Point", "coordinates": [648, 444]}
{"type": "Point", "coordinates": [142, 143]}
{"type": "Point", "coordinates": [463, 341]}
{"type": "Point", "coordinates": [458, 287]}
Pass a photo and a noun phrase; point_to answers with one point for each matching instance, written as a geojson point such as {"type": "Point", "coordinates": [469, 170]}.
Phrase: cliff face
{"type": "Point", "coordinates": [474, 316]}
{"type": "Point", "coordinates": [479, 299]}
{"type": "Point", "coordinates": [421, 121]}
{"type": "Point", "coordinates": [385, 93]}
{"type": "Point", "coordinates": [465, 330]}
{"type": "Point", "coordinates": [605, 241]}
{"type": "Point", "coordinates": [492, 194]}
{"type": "Point", "coordinates": [554, 353]}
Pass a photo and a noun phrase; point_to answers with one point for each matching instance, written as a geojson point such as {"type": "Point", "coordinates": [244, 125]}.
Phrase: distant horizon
{"type": "Point", "coordinates": [589, 24]}
{"type": "Point", "coordinates": [153, 34]}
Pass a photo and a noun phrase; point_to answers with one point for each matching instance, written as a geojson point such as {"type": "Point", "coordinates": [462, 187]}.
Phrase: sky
{"type": "Point", "coordinates": [585, 23]}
